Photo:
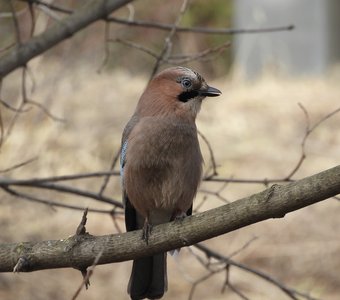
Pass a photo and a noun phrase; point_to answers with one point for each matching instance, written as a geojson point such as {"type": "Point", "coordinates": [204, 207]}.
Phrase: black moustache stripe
{"type": "Point", "coordinates": [186, 96]}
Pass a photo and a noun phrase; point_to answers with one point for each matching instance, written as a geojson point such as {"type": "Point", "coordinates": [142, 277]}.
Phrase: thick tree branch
{"type": "Point", "coordinates": [89, 13]}
{"type": "Point", "coordinates": [79, 251]}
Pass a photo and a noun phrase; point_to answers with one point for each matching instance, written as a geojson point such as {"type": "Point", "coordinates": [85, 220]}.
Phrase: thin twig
{"type": "Point", "coordinates": [106, 47]}
{"type": "Point", "coordinates": [19, 165]}
{"type": "Point", "coordinates": [202, 279]}
{"type": "Point", "coordinates": [114, 219]}
{"type": "Point", "coordinates": [32, 13]}
{"type": "Point", "coordinates": [174, 59]}
{"type": "Point", "coordinates": [237, 292]}
{"type": "Point", "coordinates": [246, 245]}
{"type": "Point", "coordinates": [264, 181]}
{"type": "Point", "coordinates": [135, 46]}
{"type": "Point", "coordinates": [5, 48]}
{"type": "Point", "coordinates": [17, 110]}
{"type": "Point", "coordinates": [107, 177]}
{"type": "Point", "coordinates": [81, 229]}
{"type": "Point", "coordinates": [14, 119]}
{"type": "Point", "coordinates": [292, 293]}
{"type": "Point", "coordinates": [45, 111]}
{"type": "Point", "coordinates": [51, 203]}
{"type": "Point", "coordinates": [186, 58]}
{"type": "Point", "coordinates": [168, 40]}
{"type": "Point", "coordinates": [309, 129]}
{"type": "Point", "coordinates": [15, 23]}
{"type": "Point", "coordinates": [68, 190]}
{"type": "Point", "coordinates": [50, 13]}
{"type": "Point", "coordinates": [1, 131]}
{"type": "Point", "coordinates": [303, 143]}
{"type": "Point", "coordinates": [227, 278]}
{"type": "Point", "coordinates": [217, 193]}
{"type": "Point", "coordinates": [89, 273]}
{"type": "Point", "coordinates": [326, 117]}
{"type": "Point", "coordinates": [33, 181]}
{"type": "Point", "coordinates": [211, 153]}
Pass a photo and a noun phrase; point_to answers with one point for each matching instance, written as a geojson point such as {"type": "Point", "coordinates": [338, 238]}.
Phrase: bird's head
{"type": "Point", "coordinates": [176, 90]}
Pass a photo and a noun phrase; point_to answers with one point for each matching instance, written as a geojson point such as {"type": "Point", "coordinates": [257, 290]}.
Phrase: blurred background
{"type": "Point", "coordinates": [256, 128]}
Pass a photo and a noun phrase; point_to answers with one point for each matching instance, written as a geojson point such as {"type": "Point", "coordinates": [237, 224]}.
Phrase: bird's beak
{"type": "Point", "coordinates": [210, 92]}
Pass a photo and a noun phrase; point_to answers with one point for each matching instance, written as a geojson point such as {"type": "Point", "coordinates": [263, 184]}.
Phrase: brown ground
{"type": "Point", "coordinates": [255, 130]}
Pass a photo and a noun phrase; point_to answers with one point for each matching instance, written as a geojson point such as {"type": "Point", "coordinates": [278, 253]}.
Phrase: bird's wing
{"type": "Point", "coordinates": [130, 212]}
{"type": "Point", "coordinates": [124, 146]}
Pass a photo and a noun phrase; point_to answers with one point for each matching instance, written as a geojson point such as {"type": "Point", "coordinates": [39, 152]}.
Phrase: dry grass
{"type": "Point", "coordinates": [255, 130]}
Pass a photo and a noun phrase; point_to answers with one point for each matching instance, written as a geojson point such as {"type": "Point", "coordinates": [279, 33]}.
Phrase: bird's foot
{"type": "Point", "coordinates": [180, 216]}
{"type": "Point", "coordinates": [146, 231]}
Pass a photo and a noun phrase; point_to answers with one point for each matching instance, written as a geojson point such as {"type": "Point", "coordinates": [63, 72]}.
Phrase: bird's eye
{"type": "Point", "coordinates": [186, 83]}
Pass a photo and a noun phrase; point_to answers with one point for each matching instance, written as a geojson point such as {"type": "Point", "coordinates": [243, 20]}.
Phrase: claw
{"type": "Point", "coordinates": [179, 216]}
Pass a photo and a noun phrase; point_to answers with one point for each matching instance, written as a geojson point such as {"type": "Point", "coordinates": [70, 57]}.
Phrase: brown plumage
{"type": "Point", "coordinates": [161, 165]}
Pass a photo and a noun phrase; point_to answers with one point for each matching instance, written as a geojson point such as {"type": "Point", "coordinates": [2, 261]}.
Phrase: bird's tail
{"type": "Point", "coordinates": [148, 277]}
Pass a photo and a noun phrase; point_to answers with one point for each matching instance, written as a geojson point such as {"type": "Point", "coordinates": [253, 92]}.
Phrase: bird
{"type": "Point", "coordinates": [161, 165]}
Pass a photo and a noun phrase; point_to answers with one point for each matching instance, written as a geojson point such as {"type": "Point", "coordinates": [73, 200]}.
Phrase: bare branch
{"type": "Point", "coordinates": [89, 13]}
{"type": "Point", "coordinates": [53, 203]}
{"type": "Point", "coordinates": [63, 189]}
{"type": "Point", "coordinates": [51, 6]}
{"type": "Point", "coordinates": [79, 251]}
{"type": "Point", "coordinates": [202, 30]}
{"type": "Point", "coordinates": [166, 27]}
{"type": "Point", "coordinates": [264, 181]}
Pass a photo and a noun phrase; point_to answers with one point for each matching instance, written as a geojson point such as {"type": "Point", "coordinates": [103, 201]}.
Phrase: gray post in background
{"type": "Point", "coordinates": [310, 49]}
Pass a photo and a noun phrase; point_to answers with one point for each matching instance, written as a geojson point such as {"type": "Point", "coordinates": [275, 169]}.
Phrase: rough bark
{"type": "Point", "coordinates": [80, 251]}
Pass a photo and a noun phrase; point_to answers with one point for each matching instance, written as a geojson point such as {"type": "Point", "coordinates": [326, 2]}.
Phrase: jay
{"type": "Point", "coordinates": [161, 165]}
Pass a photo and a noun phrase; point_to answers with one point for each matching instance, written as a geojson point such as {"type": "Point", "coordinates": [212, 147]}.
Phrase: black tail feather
{"type": "Point", "coordinates": [148, 277]}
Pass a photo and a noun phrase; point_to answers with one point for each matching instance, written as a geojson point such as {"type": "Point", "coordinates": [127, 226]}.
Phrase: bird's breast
{"type": "Point", "coordinates": [163, 164]}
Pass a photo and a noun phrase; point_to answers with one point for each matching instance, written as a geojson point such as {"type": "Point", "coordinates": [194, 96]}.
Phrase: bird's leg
{"type": "Point", "coordinates": [146, 230]}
